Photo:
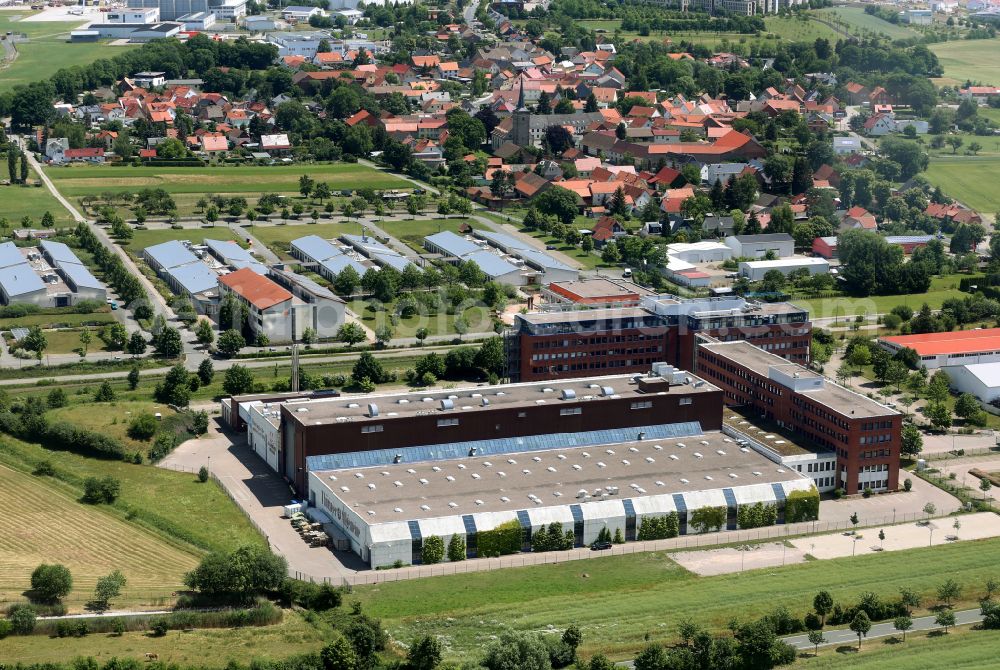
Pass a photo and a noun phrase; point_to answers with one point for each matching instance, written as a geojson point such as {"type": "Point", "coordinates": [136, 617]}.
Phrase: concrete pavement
{"type": "Point", "coordinates": [879, 630]}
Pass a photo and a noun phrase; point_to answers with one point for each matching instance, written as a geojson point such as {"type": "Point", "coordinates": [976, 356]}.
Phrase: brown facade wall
{"type": "Point", "coordinates": [410, 431]}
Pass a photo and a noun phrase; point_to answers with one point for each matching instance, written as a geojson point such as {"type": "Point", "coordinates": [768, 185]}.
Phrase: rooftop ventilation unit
{"type": "Point", "coordinates": [657, 447]}
{"type": "Point", "coordinates": [452, 396]}
{"type": "Point", "coordinates": [359, 475]}
{"type": "Point", "coordinates": [650, 459]}
{"type": "Point", "coordinates": [371, 487]}
{"type": "Point", "coordinates": [550, 469]}
{"type": "Point", "coordinates": [720, 452]}
{"type": "Point", "coordinates": [397, 484]}
{"type": "Point", "coordinates": [547, 389]}
{"type": "Point", "coordinates": [581, 494]}
{"type": "Point", "coordinates": [403, 401]}
{"type": "Point", "coordinates": [504, 499]}
{"type": "Point", "coordinates": [397, 458]}
{"type": "Point", "coordinates": [610, 452]}
{"type": "Point", "coordinates": [345, 489]}
{"type": "Point", "coordinates": [698, 455]}
{"type": "Point", "coordinates": [601, 464]}
{"type": "Point", "coordinates": [733, 475]}
{"type": "Point", "coordinates": [446, 403]}
{"type": "Point", "coordinates": [674, 457]}
{"type": "Point", "coordinates": [411, 471]}
{"type": "Point", "coordinates": [568, 394]}
{"type": "Point", "coordinates": [557, 494]}
{"type": "Point", "coordinates": [425, 508]}
{"type": "Point", "coordinates": [607, 391]}
{"type": "Point", "coordinates": [577, 467]}
{"type": "Point", "coordinates": [453, 505]}
{"type": "Point", "coordinates": [512, 461]}
{"type": "Point", "coordinates": [756, 473]}
{"type": "Point", "coordinates": [684, 481]}
{"type": "Point", "coordinates": [561, 457]}
{"type": "Point", "coordinates": [476, 395]}
{"type": "Point", "coordinates": [450, 478]}
{"type": "Point", "coordinates": [586, 454]}
{"type": "Point", "coordinates": [708, 477]}
{"type": "Point", "coordinates": [435, 468]}
{"type": "Point", "coordinates": [536, 459]}
{"type": "Point", "coordinates": [475, 475]}
{"type": "Point", "coordinates": [593, 386]}
{"type": "Point", "coordinates": [300, 409]}
{"type": "Point", "coordinates": [461, 466]}
{"type": "Point", "coordinates": [352, 405]}
{"type": "Point", "coordinates": [479, 502]}
{"type": "Point", "coordinates": [484, 401]}
{"type": "Point", "coordinates": [487, 464]}
{"type": "Point", "coordinates": [681, 445]}
{"type": "Point", "coordinates": [525, 472]}
{"type": "Point", "coordinates": [427, 399]}
{"type": "Point", "coordinates": [501, 473]}
{"type": "Point", "coordinates": [625, 462]}
{"type": "Point", "coordinates": [659, 483]}
{"type": "Point", "coordinates": [501, 393]}
{"type": "Point", "coordinates": [398, 510]}
{"type": "Point", "coordinates": [633, 450]}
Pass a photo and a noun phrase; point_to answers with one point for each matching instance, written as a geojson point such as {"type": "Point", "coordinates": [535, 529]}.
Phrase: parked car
{"type": "Point", "coordinates": [600, 546]}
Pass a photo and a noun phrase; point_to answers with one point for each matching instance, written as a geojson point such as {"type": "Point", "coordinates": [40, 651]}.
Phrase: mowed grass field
{"type": "Point", "coordinates": [848, 307]}
{"type": "Point", "coordinates": [277, 238]}
{"type": "Point", "coordinates": [40, 523]}
{"type": "Point", "coordinates": [45, 320]}
{"type": "Point", "coordinates": [960, 648]}
{"type": "Point", "coordinates": [111, 418]}
{"type": "Point", "coordinates": [971, 180]}
{"type": "Point", "coordinates": [47, 50]}
{"type": "Point", "coordinates": [975, 60]}
{"type": "Point", "coordinates": [621, 602]}
{"type": "Point", "coordinates": [203, 648]}
{"type": "Point", "coordinates": [175, 504]}
{"type": "Point", "coordinates": [412, 233]}
{"type": "Point", "coordinates": [17, 202]}
{"type": "Point", "coordinates": [855, 20]}
{"type": "Point", "coordinates": [94, 180]}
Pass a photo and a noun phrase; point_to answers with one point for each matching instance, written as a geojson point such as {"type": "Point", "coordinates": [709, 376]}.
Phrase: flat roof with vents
{"type": "Point", "coordinates": [520, 481]}
{"type": "Point", "coordinates": [507, 395]}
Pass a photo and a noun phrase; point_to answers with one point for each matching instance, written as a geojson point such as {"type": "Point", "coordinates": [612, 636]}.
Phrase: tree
{"type": "Point", "coordinates": [108, 587]}
{"type": "Point", "coordinates": [35, 341]}
{"type": "Point", "coordinates": [424, 653]}
{"type": "Point", "coordinates": [966, 406]}
{"type": "Point", "coordinates": [168, 343]}
{"type": "Point", "coordinates": [558, 139]}
{"type": "Point", "coordinates": [238, 380]}
{"type": "Point", "coordinates": [230, 343]}
{"type": "Point", "coordinates": [22, 619]}
{"type": "Point", "coordinates": [57, 398]}
{"type": "Point", "coordinates": [456, 548]}
{"type": "Point", "coordinates": [206, 371]}
{"type": "Point", "coordinates": [245, 572]}
{"type": "Point", "coordinates": [823, 605]}
{"type": "Point", "coordinates": [954, 142]}
{"type": "Point", "coordinates": [368, 367]}
{"type": "Point", "coordinates": [909, 599]}
{"type": "Point", "coordinates": [367, 638]}
{"type": "Point", "coordinates": [133, 378]}
{"type": "Point", "coordinates": [51, 583]}
{"type": "Point", "coordinates": [347, 281]}
{"type": "Point", "coordinates": [912, 441]}
{"type": "Point", "coordinates": [599, 662]}
{"type": "Point", "coordinates": [351, 333]}
{"type": "Point", "coordinates": [939, 415]}
{"type": "Point", "coordinates": [902, 624]}
{"type": "Point", "coordinates": [985, 485]}
{"type": "Point", "coordinates": [136, 345]}
{"type": "Point", "coordinates": [105, 393]}
{"type": "Point", "coordinates": [948, 592]}
{"type": "Point", "coordinates": [339, 655]}
{"type": "Point", "coordinates": [945, 618]}
{"type": "Point", "coordinates": [421, 335]}
{"type": "Point", "coordinates": [204, 332]}
{"type": "Point", "coordinates": [861, 624]}
{"type": "Point", "coordinates": [559, 202]}
{"type": "Point", "coordinates": [816, 638]}
{"type": "Point", "coordinates": [433, 550]}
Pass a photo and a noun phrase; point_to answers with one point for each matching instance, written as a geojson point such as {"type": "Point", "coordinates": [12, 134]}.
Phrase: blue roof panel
{"type": "Point", "coordinates": [315, 248]}
{"type": "Point", "coordinates": [79, 276]}
{"type": "Point", "coordinates": [542, 260]}
{"type": "Point", "coordinates": [491, 264]}
{"type": "Point", "coordinates": [453, 244]}
{"type": "Point", "coordinates": [59, 252]}
{"type": "Point", "coordinates": [10, 255]}
{"type": "Point", "coordinates": [20, 280]}
{"type": "Point", "coordinates": [392, 260]}
{"type": "Point", "coordinates": [195, 277]}
{"type": "Point", "coordinates": [337, 265]}
{"type": "Point", "coordinates": [170, 254]}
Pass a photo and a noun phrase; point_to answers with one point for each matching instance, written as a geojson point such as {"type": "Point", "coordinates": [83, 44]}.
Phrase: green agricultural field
{"type": "Point", "coordinates": [847, 307]}
{"type": "Point", "coordinates": [43, 522]}
{"type": "Point", "coordinates": [855, 21]}
{"type": "Point", "coordinates": [412, 233]}
{"type": "Point", "coordinates": [203, 648]}
{"type": "Point", "coordinates": [960, 648]}
{"type": "Point", "coordinates": [978, 60]}
{"type": "Point", "coordinates": [111, 418]}
{"type": "Point", "coordinates": [277, 238]}
{"type": "Point", "coordinates": [147, 238]}
{"type": "Point", "coordinates": [796, 29]}
{"type": "Point", "coordinates": [969, 179]}
{"type": "Point", "coordinates": [621, 602]}
{"type": "Point", "coordinates": [47, 51]}
{"type": "Point", "coordinates": [17, 202]}
{"type": "Point", "coordinates": [173, 504]}
{"type": "Point", "coordinates": [94, 180]}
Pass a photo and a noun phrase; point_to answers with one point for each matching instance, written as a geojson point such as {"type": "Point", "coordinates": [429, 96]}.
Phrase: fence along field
{"type": "Point", "coordinates": [39, 524]}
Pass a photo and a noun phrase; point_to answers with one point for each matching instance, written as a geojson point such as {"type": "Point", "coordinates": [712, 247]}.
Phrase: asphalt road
{"type": "Point", "coordinates": [886, 629]}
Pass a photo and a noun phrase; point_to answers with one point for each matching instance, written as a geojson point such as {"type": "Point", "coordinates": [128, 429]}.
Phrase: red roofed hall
{"type": "Point", "coordinates": [937, 350]}
{"type": "Point", "coordinates": [271, 311]}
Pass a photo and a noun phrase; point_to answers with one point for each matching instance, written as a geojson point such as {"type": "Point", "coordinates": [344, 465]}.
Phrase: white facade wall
{"type": "Point", "coordinates": [755, 270]}
{"type": "Point", "coordinates": [602, 514]}
{"type": "Point", "coordinates": [983, 386]}
{"type": "Point", "coordinates": [262, 435]}
{"type": "Point", "coordinates": [444, 527]}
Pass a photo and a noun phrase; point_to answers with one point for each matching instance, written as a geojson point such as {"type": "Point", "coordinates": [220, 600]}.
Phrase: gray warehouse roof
{"type": "Point", "coordinates": [338, 264]}
{"type": "Point", "coordinates": [195, 277]}
{"type": "Point", "coordinates": [491, 264]}
{"type": "Point", "coordinates": [517, 247]}
{"type": "Point", "coordinates": [233, 254]}
{"type": "Point", "coordinates": [10, 255]}
{"type": "Point", "coordinates": [170, 254]}
{"type": "Point", "coordinates": [59, 252]}
{"type": "Point", "coordinates": [78, 276]}
{"type": "Point", "coordinates": [20, 280]}
{"type": "Point", "coordinates": [453, 244]}
{"type": "Point", "coordinates": [315, 248]}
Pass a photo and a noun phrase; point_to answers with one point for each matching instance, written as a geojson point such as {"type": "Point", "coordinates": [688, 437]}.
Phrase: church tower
{"type": "Point", "coordinates": [521, 130]}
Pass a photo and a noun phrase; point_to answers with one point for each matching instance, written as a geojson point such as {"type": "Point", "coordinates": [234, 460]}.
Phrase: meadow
{"type": "Point", "coordinates": [942, 288]}
{"type": "Point", "coordinates": [94, 180]}
{"type": "Point", "coordinates": [17, 202]}
{"type": "Point", "coordinates": [48, 319]}
{"type": "Point", "coordinates": [43, 523]}
{"type": "Point", "coordinates": [412, 233]}
{"type": "Point", "coordinates": [147, 238]}
{"type": "Point", "coordinates": [856, 21]}
{"type": "Point", "coordinates": [969, 179]}
{"type": "Point", "coordinates": [622, 602]}
{"type": "Point", "coordinates": [960, 648]}
{"type": "Point", "coordinates": [200, 647]}
{"type": "Point", "coordinates": [47, 50]}
{"type": "Point", "coordinates": [277, 238]}
{"type": "Point", "coordinates": [976, 60]}
{"type": "Point", "coordinates": [373, 314]}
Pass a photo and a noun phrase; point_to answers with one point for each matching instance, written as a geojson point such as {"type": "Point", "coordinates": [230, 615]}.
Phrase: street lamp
{"type": "Point", "coordinates": [209, 466]}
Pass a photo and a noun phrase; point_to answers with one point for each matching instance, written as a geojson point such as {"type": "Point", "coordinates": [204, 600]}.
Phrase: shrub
{"type": "Point", "coordinates": [5, 628]}
{"type": "Point", "coordinates": [44, 469]}
{"type": "Point", "coordinates": [659, 527]}
{"type": "Point", "coordinates": [504, 539]}
{"type": "Point", "coordinates": [433, 550]}
{"type": "Point", "coordinates": [203, 474]}
{"type": "Point", "coordinates": [707, 519]}
{"type": "Point", "coordinates": [456, 548]}
{"type": "Point", "coordinates": [22, 619]}
{"type": "Point", "coordinates": [142, 427]}
{"type": "Point", "coordinates": [802, 506]}
{"type": "Point", "coordinates": [756, 515]}
{"type": "Point", "coordinates": [118, 627]}
{"type": "Point", "coordinates": [103, 490]}
{"type": "Point", "coordinates": [159, 628]}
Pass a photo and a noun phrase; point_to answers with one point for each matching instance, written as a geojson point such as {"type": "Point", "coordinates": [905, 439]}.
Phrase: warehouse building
{"type": "Point", "coordinates": [329, 310]}
{"type": "Point", "coordinates": [700, 252]}
{"type": "Point", "coordinates": [232, 254]}
{"type": "Point", "coordinates": [564, 344]}
{"type": "Point", "coordinates": [864, 434]}
{"type": "Point", "coordinates": [456, 249]}
{"type": "Point", "coordinates": [83, 284]}
{"type": "Point", "coordinates": [755, 270]}
{"type": "Point", "coordinates": [376, 251]}
{"type": "Point", "coordinates": [184, 273]}
{"type": "Point", "coordinates": [46, 276]}
{"type": "Point", "coordinates": [351, 432]}
{"type": "Point", "coordinates": [550, 267]}
{"type": "Point", "coordinates": [758, 246]}
{"type": "Point", "coordinates": [20, 285]}
{"type": "Point", "coordinates": [937, 350]}
{"type": "Point", "coordinates": [980, 379]}
{"type": "Point", "coordinates": [595, 292]}
{"type": "Point", "coordinates": [388, 509]}
{"type": "Point", "coordinates": [329, 260]}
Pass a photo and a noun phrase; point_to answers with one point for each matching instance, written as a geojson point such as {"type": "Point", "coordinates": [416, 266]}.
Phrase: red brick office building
{"type": "Point", "coordinates": [864, 434]}
{"type": "Point", "coordinates": [580, 343]}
